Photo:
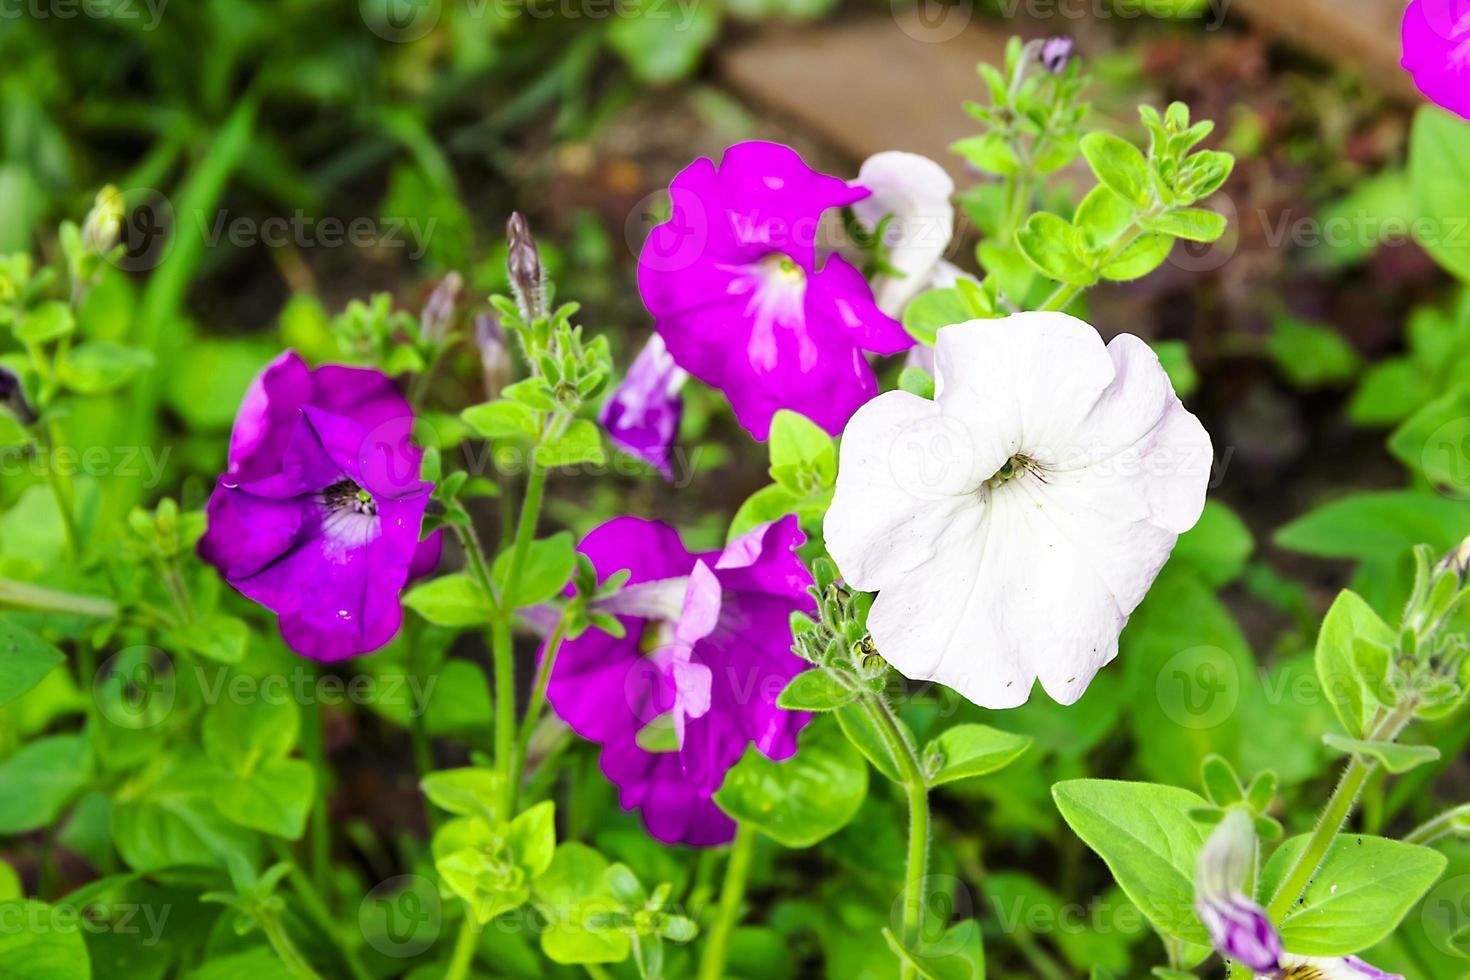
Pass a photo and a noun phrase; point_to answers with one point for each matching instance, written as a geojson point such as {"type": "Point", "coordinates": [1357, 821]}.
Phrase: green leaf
{"type": "Point", "coordinates": [170, 819]}
{"type": "Point", "coordinates": [1435, 441]}
{"type": "Point", "coordinates": [1365, 887]}
{"type": "Point", "coordinates": [547, 570]}
{"type": "Point", "coordinates": [991, 153]}
{"type": "Point", "coordinates": [218, 637]}
{"type": "Point", "coordinates": [769, 503]}
{"type": "Point", "coordinates": [1050, 244]}
{"type": "Point", "coordinates": [1396, 758]}
{"type": "Point", "coordinates": [1378, 525]}
{"type": "Point", "coordinates": [863, 732]}
{"type": "Point", "coordinates": [469, 791]}
{"type": "Point", "coordinates": [1217, 547]}
{"type": "Point", "coordinates": [25, 658]}
{"type": "Point", "coordinates": [1174, 357]}
{"type": "Point", "coordinates": [804, 799]}
{"type": "Point", "coordinates": [1144, 833]}
{"type": "Point", "coordinates": [48, 321]}
{"type": "Point", "coordinates": [1389, 392]}
{"type": "Point", "coordinates": [237, 734]}
{"type": "Point", "coordinates": [1309, 355]}
{"type": "Point", "coordinates": [1142, 256]}
{"type": "Point", "coordinates": [795, 439]}
{"type": "Point", "coordinates": [580, 443]}
{"type": "Point", "coordinates": [816, 690]}
{"type": "Point", "coordinates": [965, 751]}
{"type": "Point", "coordinates": [916, 381]}
{"type": "Point", "coordinates": [274, 797]}
{"type": "Point", "coordinates": [1349, 622]}
{"type": "Point", "coordinates": [532, 838]}
{"type": "Point", "coordinates": [933, 309]}
{"type": "Point", "coordinates": [100, 366]}
{"type": "Point", "coordinates": [957, 955]}
{"type": "Point", "coordinates": [42, 942]}
{"type": "Point", "coordinates": [1119, 165]}
{"type": "Point", "coordinates": [1439, 171]}
{"type": "Point", "coordinates": [1103, 216]}
{"type": "Point", "coordinates": [661, 42]}
{"type": "Point", "coordinates": [450, 600]}
{"type": "Point", "coordinates": [572, 892]}
{"type": "Point", "coordinates": [41, 779]}
{"type": "Point", "coordinates": [503, 419]}
{"type": "Point", "coordinates": [1191, 224]}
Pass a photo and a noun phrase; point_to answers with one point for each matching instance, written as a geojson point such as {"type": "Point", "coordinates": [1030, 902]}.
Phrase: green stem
{"type": "Point", "coordinates": [732, 896]}
{"type": "Point", "coordinates": [1441, 826]}
{"type": "Point", "coordinates": [25, 595]}
{"type": "Point", "coordinates": [294, 962]}
{"type": "Point", "coordinates": [916, 789]}
{"type": "Point", "coordinates": [46, 438]}
{"type": "Point", "coordinates": [597, 972]}
{"type": "Point", "coordinates": [464, 948]}
{"type": "Point", "coordinates": [1334, 816]}
{"type": "Point", "coordinates": [314, 748]}
{"type": "Point", "coordinates": [538, 694]}
{"type": "Point", "coordinates": [316, 907]}
{"type": "Point", "coordinates": [502, 644]}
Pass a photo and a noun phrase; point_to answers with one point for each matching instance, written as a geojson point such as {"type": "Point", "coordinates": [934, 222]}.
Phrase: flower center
{"type": "Point", "coordinates": [349, 518]}
{"type": "Point", "coordinates": [1014, 467]}
{"type": "Point", "coordinates": [780, 269]}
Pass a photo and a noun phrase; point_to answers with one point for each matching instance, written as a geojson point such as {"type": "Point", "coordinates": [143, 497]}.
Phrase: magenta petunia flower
{"type": "Point", "coordinates": [733, 283]}
{"type": "Point", "coordinates": [642, 416]}
{"type": "Point", "coordinates": [707, 650]}
{"type": "Point", "coordinates": [1436, 39]}
{"type": "Point", "coordinates": [318, 515]}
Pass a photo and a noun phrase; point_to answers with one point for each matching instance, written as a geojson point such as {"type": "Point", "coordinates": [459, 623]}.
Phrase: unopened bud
{"type": "Point", "coordinates": [438, 311]}
{"type": "Point", "coordinates": [1055, 53]}
{"type": "Point", "coordinates": [13, 396]}
{"type": "Point", "coordinates": [524, 264]}
{"type": "Point", "coordinates": [104, 221]}
{"type": "Point", "coordinates": [494, 354]}
{"type": "Point", "coordinates": [1458, 560]}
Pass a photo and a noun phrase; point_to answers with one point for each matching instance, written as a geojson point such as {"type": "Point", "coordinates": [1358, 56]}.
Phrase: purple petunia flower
{"type": "Point", "coordinates": [317, 516]}
{"type": "Point", "coordinates": [1436, 36]}
{"type": "Point", "coordinates": [643, 414]}
{"type": "Point", "coordinates": [707, 650]}
{"type": "Point", "coordinates": [733, 283]}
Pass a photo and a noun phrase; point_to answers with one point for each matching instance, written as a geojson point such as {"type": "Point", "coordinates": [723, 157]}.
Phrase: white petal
{"type": "Point", "coordinates": [904, 475]}
{"type": "Point", "coordinates": [917, 192]}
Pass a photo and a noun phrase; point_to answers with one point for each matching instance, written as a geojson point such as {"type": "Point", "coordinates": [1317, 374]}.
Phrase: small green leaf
{"type": "Point", "coordinates": [48, 321]}
{"type": "Point", "coordinates": [934, 309]}
{"type": "Point", "coordinates": [580, 443]}
{"type": "Point", "coordinates": [1191, 224]}
{"type": "Point", "coordinates": [503, 419]}
{"type": "Point", "coordinates": [547, 570]}
{"type": "Point", "coordinates": [573, 892]}
{"type": "Point", "coordinates": [1349, 622]}
{"type": "Point", "coordinates": [237, 733]}
{"type": "Point", "coordinates": [46, 950]}
{"type": "Point", "coordinates": [1049, 243]}
{"type": "Point", "coordinates": [469, 791]}
{"type": "Point", "coordinates": [816, 690]}
{"type": "Point", "coordinates": [1142, 256]}
{"type": "Point", "coordinates": [274, 797]}
{"type": "Point", "coordinates": [966, 751]}
{"type": "Point", "coordinates": [767, 504]}
{"type": "Point", "coordinates": [41, 779]}
{"type": "Point", "coordinates": [916, 381]}
{"type": "Point", "coordinates": [532, 838]}
{"type": "Point", "coordinates": [1396, 758]}
{"type": "Point", "coordinates": [861, 730]}
{"type": "Point", "coordinates": [802, 800]}
{"type": "Point", "coordinates": [957, 955]}
{"type": "Point", "coordinates": [25, 658]}
{"type": "Point", "coordinates": [99, 366]}
{"type": "Point", "coordinates": [1119, 165]}
{"type": "Point", "coordinates": [450, 600]}
{"type": "Point", "coordinates": [990, 153]}
{"type": "Point", "coordinates": [797, 439]}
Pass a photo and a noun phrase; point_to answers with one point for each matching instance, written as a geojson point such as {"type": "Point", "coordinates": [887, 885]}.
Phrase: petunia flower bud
{"type": "Point", "coordinates": [643, 415]}
{"type": "Point", "coordinates": [494, 354]}
{"type": "Point", "coordinates": [438, 312]}
{"type": "Point", "coordinates": [524, 263]}
{"type": "Point", "coordinates": [104, 222]}
{"type": "Point", "coordinates": [13, 396]}
{"type": "Point", "coordinates": [1056, 52]}
{"type": "Point", "coordinates": [1238, 926]}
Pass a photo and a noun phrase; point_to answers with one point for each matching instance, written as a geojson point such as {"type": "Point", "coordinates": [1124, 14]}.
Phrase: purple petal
{"type": "Point", "coordinates": [1436, 40]}
{"type": "Point", "coordinates": [643, 414]}
{"type": "Point", "coordinates": [1241, 931]}
{"type": "Point", "coordinates": [1367, 970]}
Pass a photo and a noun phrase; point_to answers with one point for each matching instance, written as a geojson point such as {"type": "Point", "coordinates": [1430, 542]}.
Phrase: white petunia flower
{"type": "Point", "coordinates": [916, 192]}
{"type": "Point", "coordinates": [1335, 968]}
{"type": "Point", "coordinates": [1012, 524]}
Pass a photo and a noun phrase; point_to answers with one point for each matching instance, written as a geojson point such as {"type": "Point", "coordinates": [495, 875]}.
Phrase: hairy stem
{"type": "Point", "coordinates": [27, 596]}
{"type": "Point", "coordinates": [464, 948]}
{"type": "Point", "coordinates": [538, 694]}
{"type": "Point", "coordinates": [503, 645]}
{"type": "Point", "coordinates": [732, 896]}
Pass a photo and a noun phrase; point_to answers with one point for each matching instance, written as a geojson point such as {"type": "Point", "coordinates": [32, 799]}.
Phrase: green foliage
{"type": "Point", "coordinates": [802, 800]}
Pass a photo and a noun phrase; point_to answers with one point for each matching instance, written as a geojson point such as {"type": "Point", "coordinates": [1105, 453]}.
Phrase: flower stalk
{"type": "Point", "coordinates": [732, 895]}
